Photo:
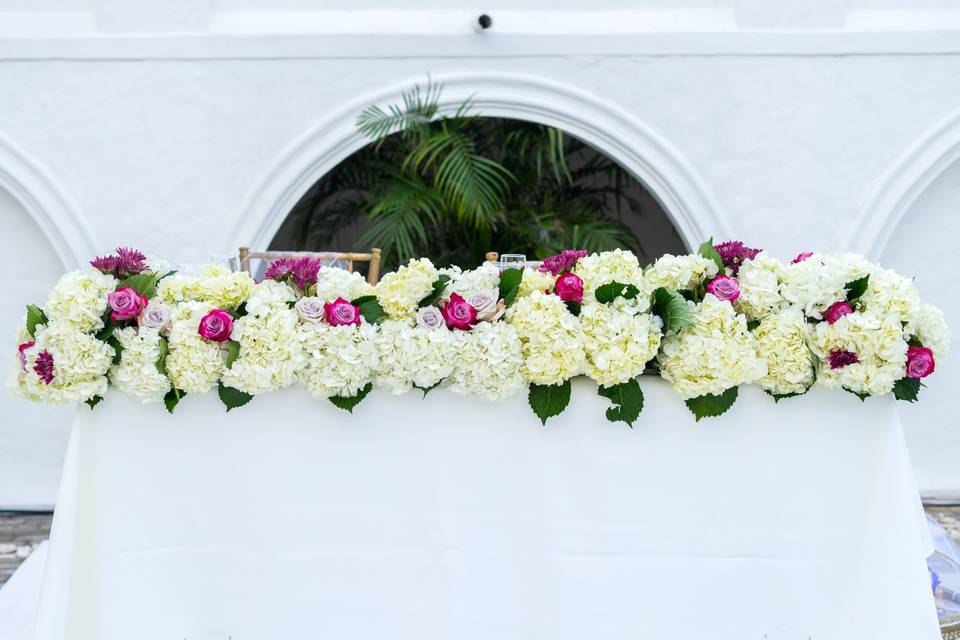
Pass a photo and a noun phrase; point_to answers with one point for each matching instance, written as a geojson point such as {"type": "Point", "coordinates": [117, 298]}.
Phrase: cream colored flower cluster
{"type": "Point", "coordinates": [488, 362]}
{"type": "Point", "coordinates": [534, 281]}
{"type": "Point", "coordinates": [79, 299]}
{"type": "Point", "coordinates": [782, 339]}
{"type": "Point", "coordinates": [880, 349]}
{"type": "Point", "coordinates": [270, 351]}
{"type": "Point", "coordinates": [553, 342]}
{"type": "Point", "coordinates": [465, 283]}
{"type": "Point", "coordinates": [216, 284]}
{"type": "Point", "coordinates": [598, 269]}
{"type": "Point", "coordinates": [931, 329]}
{"type": "Point", "coordinates": [79, 365]}
{"type": "Point", "coordinates": [713, 354]}
{"type": "Point", "coordinates": [412, 356]}
{"type": "Point", "coordinates": [137, 373]}
{"type": "Point", "coordinates": [760, 287]}
{"type": "Point", "coordinates": [340, 361]}
{"type": "Point", "coordinates": [193, 364]}
{"type": "Point", "coordinates": [333, 283]}
{"type": "Point", "coordinates": [619, 340]}
{"type": "Point", "coordinates": [819, 281]}
{"type": "Point", "coordinates": [400, 291]}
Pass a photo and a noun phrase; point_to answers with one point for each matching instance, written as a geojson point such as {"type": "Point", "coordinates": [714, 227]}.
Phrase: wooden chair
{"type": "Point", "coordinates": [373, 271]}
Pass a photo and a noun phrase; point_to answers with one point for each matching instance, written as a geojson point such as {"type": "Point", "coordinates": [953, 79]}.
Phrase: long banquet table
{"type": "Point", "coordinates": [458, 519]}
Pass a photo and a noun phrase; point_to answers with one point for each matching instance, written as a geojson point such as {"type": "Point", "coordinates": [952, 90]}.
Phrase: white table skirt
{"type": "Point", "coordinates": [452, 518]}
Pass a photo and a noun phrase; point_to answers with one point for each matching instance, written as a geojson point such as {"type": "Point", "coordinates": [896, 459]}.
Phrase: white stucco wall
{"type": "Point", "coordinates": [163, 126]}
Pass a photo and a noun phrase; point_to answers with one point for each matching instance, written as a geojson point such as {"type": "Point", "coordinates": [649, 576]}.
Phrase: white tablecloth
{"type": "Point", "coordinates": [452, 518]}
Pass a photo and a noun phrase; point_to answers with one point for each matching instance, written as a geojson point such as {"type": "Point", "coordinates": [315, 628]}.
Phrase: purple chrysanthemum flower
{"type": "Point", "coordinates": [304, 271]}
{"type": "Point", "coordinates": [43, 366]}
{"type": "Point", "coordinates": [106, 264]}
{"type": "Point", "coordinates": [841, 358]}
{"type": "Point", "coordinates": [130, 261]}
{"type": "Point", "coordinates": [562, 263]}
{"type": "Point", "coordinates": [278, 269]}
{"type": "Point", "coordinates": [735, 253]}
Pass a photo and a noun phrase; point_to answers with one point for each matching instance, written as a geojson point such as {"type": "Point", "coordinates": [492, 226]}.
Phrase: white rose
{"type": "Point", "coordinates": [310, 309]}
{"type": "Point", "coordinates": [155, 316]}
{"type": "Point", "coordinates": [488, 305]}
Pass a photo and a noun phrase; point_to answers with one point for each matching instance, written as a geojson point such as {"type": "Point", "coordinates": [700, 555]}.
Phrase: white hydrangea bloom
{"type": "Point", "coordinates": [535, 281]}
{"type": "Point", "coordinates": [268, 296]}
{"type": "Point", "coordinates": [400, 291]}
{"type": "Point", "coordinates": [137, 372]}
{"type": "Point", "coordinates": [782, 342]}
{"type": "Point", "coordinates": [340, 361]}
{"type": "Point", "coordinates": [157, 265]}
{"type": "Point", "coordinates": [216, 284]}
{"type": "Point", "coordinates": [484, 277]}
{"type": "Point", "coordinates": [759, 280]}
{"type": "Point", "coordinates": [679, 272]}
{"type": "Point", "coordinates": [878, 343]}
{"type": "Point", "coordinates": [820, 280]}
{"type": "Point", "coordinates": [619, 340]}
{"type": "Point", "coordinates": [333, 283]}
{"type": "Point", "coordinates": [193, 364]}
{"type": "Point", "coordinates": [410, 356]}
{"type": "Point", "coordinates": [270, 350]}
{"type": "Point", "coordinates": [598, 269]}
{"type": "Point", "coordinates": [553, 342]}
{"type": "Point", "coordinates": [713, 354]}
{"type": "Point", "coordinates": [889, 292]}
{"type": "Point", "coordinates": [487, 363]}
{"type": "Point", "coordinates": [932, 331]}
{"type": "Point", "coordinates": [79, 299]}
{"type": "Point", "coordinates": [80, 365]}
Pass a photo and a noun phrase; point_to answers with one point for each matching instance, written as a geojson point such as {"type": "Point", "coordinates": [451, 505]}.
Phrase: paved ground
{"type": "Point", "coordinates": [19, 534]}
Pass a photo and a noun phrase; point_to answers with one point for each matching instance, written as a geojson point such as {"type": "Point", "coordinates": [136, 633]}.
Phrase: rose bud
{"type": "Point", "coordinates": [310, 309]}
{"type": "Point", "coordinates": [836, 311]}
{"type": "Point", "coordinates": [724, 288]}
{"type": "Point", "coordinates": [430, 318]}
{"type": "Point", "coordinates": [458, 313]}
{"type": "Point", "coordinates": [340, 312]}
{"type": "Point", "coordinates": [488, 305]}
{"type": "Point", "coordinates": [216, 326]}
{"type": "Point", "coordinates": [920, 362]}
{"type": "Point", "coordinates": [569, 287]}
{"type": "Point", "coordinates": [155, 316]}
{"type": "Point", "coordinates": [125, 304]}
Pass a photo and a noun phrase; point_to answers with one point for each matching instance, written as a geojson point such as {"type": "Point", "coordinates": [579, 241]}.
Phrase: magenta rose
{"type": "Point", "coordinates": [724, 288]}
{"type": "Point", "coordinates": [216, 326]}
{"type": "Point", "coordinates": [458, 313]}
{"type": "Point", "coordinates": [22, 353]}
{"type": "Point", "coordinates": [125, 304]}
{"type": "Point", "coordinates": [920, 362]}
{"type": "Point", "coordinates": [836, 311]}
{"type": "Point", "coordinates": [569, 287]}
{"type": "Point", "coordinates": [340, 312]}
{"type": "Point", "coordinates": [803, 256]}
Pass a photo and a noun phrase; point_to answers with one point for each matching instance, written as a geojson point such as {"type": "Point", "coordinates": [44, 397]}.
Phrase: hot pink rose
{"type": "Point", "coordinates": [920, 362]}
{"type": "Point", "coordinates": [569, 287]}
{"type": "Point", "coordinates": [22, 353]}
{"type": "Point", "coordinates": [803, 256]}
{"type": "Point", "coordinates": [125, 304]}
{"type": "Point", "coordinates": [340, 312]}
{"type": "Point", "coordinates": [724, 288]}
{"type": "Point", "coordinates": [836, 311]}
{"type": "Point", "coordinates": [216, 326]}
{"type": "Point", "coordinates": [458, 313]}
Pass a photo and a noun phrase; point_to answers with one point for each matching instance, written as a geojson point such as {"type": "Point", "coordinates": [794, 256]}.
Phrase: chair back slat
{"type": "Point", "coordinates": [351, 257]}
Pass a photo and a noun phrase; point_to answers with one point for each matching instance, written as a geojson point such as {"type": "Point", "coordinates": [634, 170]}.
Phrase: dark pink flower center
{"type": "Point", "coordinates": [841, 358]}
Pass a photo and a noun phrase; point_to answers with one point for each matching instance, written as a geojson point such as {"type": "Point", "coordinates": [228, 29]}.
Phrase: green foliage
{"type": "Point", "coordinates": [510, 284]}
{"type": "Point", "coordinates": [627, 398]}
{"type": "Point", "coordinates": [549, 400]}
{"type": "Point", "coordinates": [172, 399]}
{"type": "Point", "coordinates": [863, 396]}
{"type": "Point", "coordinates": [777, 397]}
{"type": "Point", "coordinates": [439, 285]}
{"type": "Point", "coordinates": [672, 308]}
{"type": "Point", "coordinates": [708, 251]}
{"type": "Point", "coordinates": [143, 283]}
{"type": "Point", "coordinates": [233, 352]}
{"type": "Point", "coordinates": [857, 288]}
{"type": "Point", "coordinates": [612, 290]}
{"type": "Point", "coordinates": [370, 308]}
{"type": "Point", "coordinates": [907, 389]}
{"type": "Point", "coordinates": [347, 403]}
{"type": "Point", "coordinates": [232, 398]}
{"type": "Point", "coordinates": [164, 346]}
{"type": "Point", "coordinates": [114, 342]}
{"type": "Point", "coordinates": [35, 316]}
{"type": "Point", "coordinates": [93, 402]}
{"type": "Point", "coordinates": [573, 307]}
{"type": "Point", "coordinates": [710, 405]}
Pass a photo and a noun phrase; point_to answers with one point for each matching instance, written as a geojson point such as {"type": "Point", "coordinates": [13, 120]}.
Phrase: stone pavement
{"type": "Point", "coordinates": [20, 533]}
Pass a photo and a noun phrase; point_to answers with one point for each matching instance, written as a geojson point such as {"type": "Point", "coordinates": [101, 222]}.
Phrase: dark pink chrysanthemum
{"type": "Point", "coordinates": [278, 269]}
{"type": "Point", "coordinates": [131, 261]}
{"type": "Point", "coordinates": [841, 358]}
{"type": "Point", "coordinates": [562, 263]}
{"type": "Point", "coordinates": [43, 366]}
{"type": "Point", "coordinates": [735, 253]}
{"type": "Point", "coordinates": [106, 264]}
{"type": "Point", "coordinates": [304, 271]}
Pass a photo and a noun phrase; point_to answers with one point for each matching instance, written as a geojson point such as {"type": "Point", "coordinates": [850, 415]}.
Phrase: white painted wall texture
{"type": "Point", "coordinates": [182, 127]}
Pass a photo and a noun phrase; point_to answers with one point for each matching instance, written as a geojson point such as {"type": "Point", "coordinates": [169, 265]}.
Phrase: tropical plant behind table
{"type": "Point", "coordinates": [455, 186]}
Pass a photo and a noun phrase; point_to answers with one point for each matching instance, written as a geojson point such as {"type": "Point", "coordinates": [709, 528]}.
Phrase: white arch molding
{"type": "Point", "coordinates": [898, 188]}
{"type": "Point", "coordinates": [650, 158]}
{"type": "Point", "coordinates": [46, 202]}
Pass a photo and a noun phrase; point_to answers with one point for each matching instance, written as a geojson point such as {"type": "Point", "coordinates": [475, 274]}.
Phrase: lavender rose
{"type": "Point", "coordinates": [724, 288]}
{"type": "Point", "coordinates": [341, 312]}
{"type": "Point", "coordinates": [836, 311]}
{"type": "Point", "coordinates": [155, 316]}
{"type": "Point", "coordinates": [216, 326]}
{"type": "Point", "coordinates": [125, 304]}
{"type": "Point", "coordinates": [430, 318]}
{"type": "Point", "coordinates": [488, 305]}
{"type": "Point", "coordinates": [920, 362]}
{"type": "Point", "coordinates": [310, 309]}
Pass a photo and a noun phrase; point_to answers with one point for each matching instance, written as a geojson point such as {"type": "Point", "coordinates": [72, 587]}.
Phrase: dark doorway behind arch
{"type": "Point", "coordinates": [557, 192]}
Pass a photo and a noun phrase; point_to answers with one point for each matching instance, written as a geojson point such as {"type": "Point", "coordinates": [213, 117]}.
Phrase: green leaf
{"type": "Point", "coordinates": [117, 348]}
{"type": "Point", "coordinates": [370, 308]}
{"type": "Point", "coordinates": [710, 405]}
{"type": "Point", "coordinates": [439, 285]}
{"type": "Point", "coordinates": [35, 316]}
{"type": "Point", "coordinates": [241, 311]}
{"type": "Point", "coordinates": [427, 390]}
{"type": "Point", "coordinates": [863, 396]}
{"type": "Point", "coordinates": [906, 389]}
{"type": "Point", "coordinates": [94, 401]}
{"type": "Point", "coordinates": [573, 306]}
{"type": "Point", "coordinates": [104, 334]}
{"type": "Point", "coordinates": [857, 288]}
{"type": "Point", "coordinates": [162, 359]}
{"type": "Point", "coordinates": [233, 352]}
{"type": "Point", "coordinates": [752, 324]}
{"type": "Point", "coordinates": [347, 403]}
{"type": "Point", "coordinates": [627, 398]}
{"type": "Point", "coordinates": [549, 400]}
{"type": "Point", "coordinates": [777, 397]}
{"type": "Point", "coordinates": [913, 341]}
{"type": "Point", "coordinates": [143, 283]}
{"type": "Point", "coordinates": [708, 251]}
{"type": "Point", "coordinates": [610, 291]}
{"type": "Point", "coordinates": [510, 285]}
{"type": "Point", "coordinates": [672, 309]}
{"type": "Point", "coordinates": [172, 398]}
{"type": "Point", "coordinates": [232, 398]}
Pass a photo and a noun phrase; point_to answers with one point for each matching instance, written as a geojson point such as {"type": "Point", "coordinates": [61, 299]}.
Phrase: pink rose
{"type": "Point", "coordinates": [155, 316]}
{"type": "Point", "coordinates": [920, 362]}
{"type": "Point", "coordinates": [836, 311]}
{"type": "Point", "coordinates": [458, 313]}
{"type": "Point", "coordinates": [216, 326]}
{"type": "Point", "coordinates": [569, 287]}
{"type": "Point", "coordinates": [125, 304]}
{"type": "Point", "coordinates": [724, 288]}
{"type": "Point", "coordinates": [340, 312]}
{"type": "Point", "coordinates": [22, 353]}
{"type": "Point", "coordinates": [803, 256]}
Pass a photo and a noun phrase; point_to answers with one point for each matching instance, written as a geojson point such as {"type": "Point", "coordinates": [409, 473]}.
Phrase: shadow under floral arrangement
{"type": "Point", "coordinates": [707, 323]}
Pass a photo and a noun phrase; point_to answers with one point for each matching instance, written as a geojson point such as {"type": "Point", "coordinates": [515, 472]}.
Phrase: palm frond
{"type": "Point", "coordinates": [420, 106]}
{"type": "Point", "coordinates": [397, 216]}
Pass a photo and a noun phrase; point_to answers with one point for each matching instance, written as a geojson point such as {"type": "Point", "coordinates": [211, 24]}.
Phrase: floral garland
{"type": "Point", "coordinates": [708, 322]}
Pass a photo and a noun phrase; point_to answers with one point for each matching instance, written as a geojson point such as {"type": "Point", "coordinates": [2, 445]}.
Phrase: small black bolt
{"type": "Point", "coordinates": [485, 21]}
